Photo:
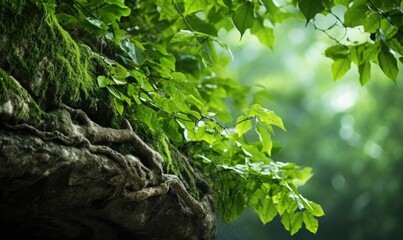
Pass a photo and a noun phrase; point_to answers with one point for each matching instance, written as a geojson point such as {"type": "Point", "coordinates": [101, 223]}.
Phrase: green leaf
{"type": "Point", "coordinates": [364, 70]}
{"type": "Point", "coordinates": [274, 13]}
{"type": "Point", "coordinates": [119, 71]}
{"type": "Point", "coordinates": [316, 210]}
{"type": "Point", "coordinates": [243, 125]}
{"type": "Point", "coordinates": [205, 132]}
{"type": "Point", "coordinates": [118, 81]}
{"type": "Point", "coordinates": [371, 51]}
{"type": "Point", "coordinates": [266, 211]}
{"type": "Point", "coordinates": [168, 62]}
{"type": "Point", "coordinates": [168, 10]}
{"type": "Point", "coordinates": [171, 129]}
{"type": "Point", "coordinates": [388, 63]}
{"type": "Point", "coordinates": [145, 115]}
{"type": "Point", "coordinates": [264, 34]}
{"type": "Point", "coordinates": [103, 81]}
{"type": "Point", "coordinates": [265, 138]}
{"type": "Point", "coordinates": [311, 223]}
{"type": "Point", "coordinates": [264, 116]}
{"type": "Point", "coordinates": [302, 176]}
{"type": "Point", "coordinates": [126, 99]}
{"type": "Point", "coordinates": [192, 6]}
{"type": "Point", "coordinates": [97, 23]}
{"type": "Point", "coordinates": [286, 220]}
{"type": "Point", "coordinates": [119, 104]}
{"type": "Point", "coordinates": [235, 207]}
{"type": "Point", "coordinates": [286, 202]}
{"type": "Point", "coordinates": [135, 53]}
{"type": "Point", "coordinates": [114, 92]}
{"type": "Point", "coordinates": [113, 12]}
{"type": "Point", "coordinates": [356, 54]}
{"type": "Point", "coordinates": [271, 118]}
{"type": "Point", "coordinates": [183, 36]}
{"type": "Point", "coordinates": [310, 8]}
{"type": "Point", "coordinates": [371, 24]}
{"type": "Point", "coordinates": [256, 199]}
{"type": "Point", "coordinates": [339, 67]}
{"type": "Point", "coordinates": [68, 21]}
{"type": "Point", "coordinates": [337, 51]}
{"type": "Point", "coordinates": [296, 223]}
{"type": "Point", "coordinates": [356, 14]}
{"type": "Point", "coordinates": [243, 17]}
{"type": "Point", "coordinates": [395, 45]}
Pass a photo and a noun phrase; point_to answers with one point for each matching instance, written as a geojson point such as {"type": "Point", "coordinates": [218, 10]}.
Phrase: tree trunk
{"type": "Point", "coordinates": [69, 167]}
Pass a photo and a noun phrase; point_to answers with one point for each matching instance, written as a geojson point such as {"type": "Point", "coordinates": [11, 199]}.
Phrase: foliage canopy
{"type": "Point", "coordinates": [165, 66]}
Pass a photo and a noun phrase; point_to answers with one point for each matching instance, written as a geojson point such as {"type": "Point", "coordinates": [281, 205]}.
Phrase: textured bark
{"type": "Point", "coordinates": [63, 184]}
{"type": "Point", "coordinates": [63, 176]}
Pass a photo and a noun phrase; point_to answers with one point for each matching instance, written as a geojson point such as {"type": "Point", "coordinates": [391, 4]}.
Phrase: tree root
{"type": "Point", "coordinates": [144, 176]}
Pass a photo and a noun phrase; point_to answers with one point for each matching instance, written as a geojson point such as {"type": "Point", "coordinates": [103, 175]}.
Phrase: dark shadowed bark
{"type": "Point", "coordinates": [68, 168]}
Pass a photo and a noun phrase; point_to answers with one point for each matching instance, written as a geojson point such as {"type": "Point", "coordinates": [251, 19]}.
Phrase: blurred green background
{"type": "Point", "coordinates": [350, 135]}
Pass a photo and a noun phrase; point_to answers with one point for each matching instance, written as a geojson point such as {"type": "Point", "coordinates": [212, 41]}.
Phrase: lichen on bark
{"type": "Point", "coordinates": [62, 172]}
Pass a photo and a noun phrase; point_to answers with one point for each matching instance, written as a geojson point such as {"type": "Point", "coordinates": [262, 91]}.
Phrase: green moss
{"type": "Point", "coordinates": [167, 153]}
{"type": "Point", "coordinates": [50, 66]}
{"type": "Point", "coordinates": [25, 109]}
{"type": "Point", "coordinates": [177, 164]}
{"type": "Point", "coordinates": [44, 58]}
{"type": "Point", "coordinates": [4, 85]}
{"type": "Point", "coordinates": [8, 84]}
{"type": "Point", "coordinates": [14, 6]}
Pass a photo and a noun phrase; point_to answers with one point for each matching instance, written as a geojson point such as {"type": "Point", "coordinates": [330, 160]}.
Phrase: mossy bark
{"type": "Point", "coordinates": [62, 172]}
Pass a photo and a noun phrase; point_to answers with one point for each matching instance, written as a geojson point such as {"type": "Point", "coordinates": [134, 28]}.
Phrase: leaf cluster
{"type": "Point", "coordinates": [164, 67]}
{"type": "Point", "coordinates": [380, 21]}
